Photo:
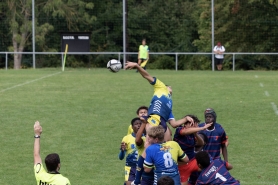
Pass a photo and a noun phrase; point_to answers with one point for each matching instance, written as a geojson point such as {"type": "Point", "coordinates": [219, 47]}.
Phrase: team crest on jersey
{"type": "Point", "coordinates": [165, 148]}
{"type": "Point", "coordinates": [132, 146]}
{"type": "Point", "coordinates": [216, 138]}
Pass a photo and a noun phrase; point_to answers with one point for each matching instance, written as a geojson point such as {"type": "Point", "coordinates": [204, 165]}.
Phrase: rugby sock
{"type": "Point", "coordinates": [139, 170]}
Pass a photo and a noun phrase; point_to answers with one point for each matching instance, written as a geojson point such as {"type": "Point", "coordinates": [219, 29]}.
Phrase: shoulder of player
{"type": "Point", "coordinates": [218, 125]}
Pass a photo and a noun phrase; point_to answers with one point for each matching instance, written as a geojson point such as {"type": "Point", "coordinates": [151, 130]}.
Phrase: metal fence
{"type": "Point", "coordinates": [121, 56]}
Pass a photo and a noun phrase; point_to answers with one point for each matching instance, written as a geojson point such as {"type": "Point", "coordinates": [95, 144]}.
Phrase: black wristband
{"type": "Point", "coordinates": [37, 136]}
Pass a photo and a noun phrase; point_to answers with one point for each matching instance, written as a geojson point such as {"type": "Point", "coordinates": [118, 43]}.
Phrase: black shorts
{"type": "Point", "coordinates": [219, 61]}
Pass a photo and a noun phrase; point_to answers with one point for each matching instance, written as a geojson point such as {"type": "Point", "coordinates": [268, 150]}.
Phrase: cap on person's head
{"type": "Point", "coordinates": [211, 112]}
{"type": "Point", "coordinates": [219, 44]}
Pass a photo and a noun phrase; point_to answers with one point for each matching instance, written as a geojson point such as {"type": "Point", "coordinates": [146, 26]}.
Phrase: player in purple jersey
{"type": "Point", "coordinates": [187, 137]}
{"type": "Point", "coordinates": [214, 172]}
{"type": "Point", "coordinates": [216, 136]}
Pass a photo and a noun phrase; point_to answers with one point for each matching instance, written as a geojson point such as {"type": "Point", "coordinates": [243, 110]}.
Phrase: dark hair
{"type": "Point", "coordinates": [133, 120]}
{"type": "Point", "coordinates": [195, 118]}
{"type": "Point", "coordinates": [203, 159]}
{"type": "Point", "coordinates": [52, 161]}
{"type": "Point", "coordinates": [140, 108]}
{"type": "Point", "coordinates": [204, 137]}
{"type": "Point", "coordinates": [165, 180]}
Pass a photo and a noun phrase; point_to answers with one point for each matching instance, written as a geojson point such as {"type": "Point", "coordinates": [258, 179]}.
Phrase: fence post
{"type": "Point", "coordinates": [119, 58]}
{"type": "Point", "coordinates": [6, 62]}
{"type": "Point", "coordinates": [233, 62]}
{"type": "Point", "coordinates": [176, 61]}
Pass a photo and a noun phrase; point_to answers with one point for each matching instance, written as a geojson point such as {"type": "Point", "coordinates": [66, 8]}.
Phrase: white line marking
{"type": "Point", "coordinates": [274, 108]}
{"type": "Point", "coordinates": [266, 93]}
{"type": "Point", "coordinates": [19, 85]}
{"type": "Point", "coordinates": [256, 76]}
{"type": "Point", "coordinates": [261, 84]}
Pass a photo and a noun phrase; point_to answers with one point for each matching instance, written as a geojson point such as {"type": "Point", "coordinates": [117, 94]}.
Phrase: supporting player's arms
{"type": "Point", "coordinates": [37, 131]}
{"type": "Point", "coordinates": [144, 73]}
{"type": "Point", "coordinates": [138, 139]}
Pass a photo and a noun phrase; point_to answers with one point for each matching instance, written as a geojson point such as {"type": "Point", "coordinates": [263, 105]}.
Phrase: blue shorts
{"type": "Point", "coordinates": [130, 172]}
{"type": "Point", "coordinates": [155, 120]}
{"type": "Point", "coordinates": [175, 176]}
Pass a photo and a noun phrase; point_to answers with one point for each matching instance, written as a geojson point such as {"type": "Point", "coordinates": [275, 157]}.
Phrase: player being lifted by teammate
{"type": "Point", "coordinates": [160, 109]}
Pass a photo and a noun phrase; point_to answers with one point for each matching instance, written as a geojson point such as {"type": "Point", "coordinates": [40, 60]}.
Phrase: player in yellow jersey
{"type": "Point", "coordinates": [128, 149]}
{"type": "Point", "coordinates": [160, 109]}
{"type": "Point", "coordinates": [141, 111]}
{"type": "Point", "coordinates": [143, 54]}
{"type": "Point", "coordinates": [52, 162]}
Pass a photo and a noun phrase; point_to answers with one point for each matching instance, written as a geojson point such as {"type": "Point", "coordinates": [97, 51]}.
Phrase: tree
{"type": "Point", "coordinates": [19, 14]}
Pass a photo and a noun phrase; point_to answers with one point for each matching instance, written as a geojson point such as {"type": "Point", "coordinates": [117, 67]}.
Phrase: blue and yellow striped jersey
{"type": "Point", "coordinates": [131, 150]}
{"type": "Point", "coordinates": [164, 157]}
{"type": "Point", "coordinates": [161, 103]}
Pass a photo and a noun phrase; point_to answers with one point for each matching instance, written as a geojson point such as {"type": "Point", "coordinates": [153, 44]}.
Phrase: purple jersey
{"type": "Point", "coordinates": [216, 137]}
{"type": "Point", "coordinates": [216, 174]}
{"type": "Point", "coordinates": [186, 142]}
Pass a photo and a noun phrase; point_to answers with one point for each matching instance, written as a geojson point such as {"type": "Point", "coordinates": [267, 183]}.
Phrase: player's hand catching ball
{"type": "Point", "coordinates": [37, 128]}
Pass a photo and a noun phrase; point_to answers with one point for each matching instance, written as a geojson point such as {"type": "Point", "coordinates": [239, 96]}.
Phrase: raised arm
{"type": "Point", "coordinates": [37, 131]}
{"type": "Point", "coordinates": [138, 139]}
{"type": "Point", "coordinates": [177, 123]}
{"type": "Point", "coordinates": [143, 72]}
{"type": "Point", "coordinates": [193, 130]}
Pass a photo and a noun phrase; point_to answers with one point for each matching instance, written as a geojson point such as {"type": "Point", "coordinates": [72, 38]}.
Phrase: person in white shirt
{"type": "Point", "coordinates": [219, 57]}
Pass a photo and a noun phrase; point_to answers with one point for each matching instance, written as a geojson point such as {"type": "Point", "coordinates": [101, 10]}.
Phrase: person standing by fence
{"type": "Point", "coordinates": [219, 57]}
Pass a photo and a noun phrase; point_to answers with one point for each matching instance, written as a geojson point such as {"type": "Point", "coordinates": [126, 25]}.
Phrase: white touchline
{"type": "Point", "coordinates": [274, 108]}
{"type": "Point", "coordinates": [266, 93]}
{"type": "Point", "coordinates": [19, 85]}
{"type": "Point", "coordinates": [261, 84]}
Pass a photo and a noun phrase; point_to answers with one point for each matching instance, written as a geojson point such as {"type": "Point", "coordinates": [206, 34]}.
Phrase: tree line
{"type": "Point", "coordinates": [168, 26]}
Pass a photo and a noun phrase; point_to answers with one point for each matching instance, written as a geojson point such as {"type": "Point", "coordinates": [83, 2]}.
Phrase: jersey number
{"type": "Point", "coordinates": [220, 177]}
{"type": "Point", "coordinates": [168, 161]}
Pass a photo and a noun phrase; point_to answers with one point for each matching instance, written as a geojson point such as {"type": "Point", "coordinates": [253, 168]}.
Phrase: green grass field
{"type": "Point", "coordinates": [85, 114]}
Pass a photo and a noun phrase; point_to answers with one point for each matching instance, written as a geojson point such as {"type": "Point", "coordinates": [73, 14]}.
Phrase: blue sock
{"type": "Point", "coordinates": [139, 170]}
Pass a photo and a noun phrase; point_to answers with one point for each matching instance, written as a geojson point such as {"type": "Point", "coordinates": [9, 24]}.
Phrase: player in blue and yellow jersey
{"type": "Point", "coordinates": [141, 111]}
{"type": "Point", "coordinates": [143, 54]}
{"type": "Point", "coordinates": [160, 109]}
{"type": "Point", "coordinates": [141, 176]}
{"type": "Point", "coordinates": [163, 156]}
{"type": "Point", "coordinates": [52, 162]}
{"type": "Point", "coordinates": [128, 149]}
{"type": "Point", "coordinates": [216, 136]}
{"type": "Point", "coordinates": [214, 172]}
{"type": "Point", "coordinates": [187, 137]}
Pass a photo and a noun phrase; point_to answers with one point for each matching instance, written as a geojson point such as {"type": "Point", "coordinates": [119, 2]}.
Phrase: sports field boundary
{"type": "Point", "coordinates": [29, 82]}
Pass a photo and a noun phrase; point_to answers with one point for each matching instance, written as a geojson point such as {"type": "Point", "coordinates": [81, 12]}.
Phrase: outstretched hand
{"type": "Point", "coordinates": [130, 65]}
{"type": "Point", "coordinates": [37, 128]}
{"type": "Point", "coordinates": [207, 125]}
